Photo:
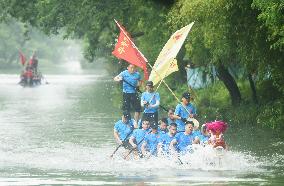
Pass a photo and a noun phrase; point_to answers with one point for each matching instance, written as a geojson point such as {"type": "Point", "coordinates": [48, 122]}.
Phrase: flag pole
{"type": "Point", "coordinates": [150, 65]}
{"type": "Point", "coordinates": [146, 60]}
{"type": "Point", "coordinates": [159, 85]}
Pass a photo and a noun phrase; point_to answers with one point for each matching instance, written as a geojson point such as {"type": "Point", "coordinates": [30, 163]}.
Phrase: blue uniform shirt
{"type": "Point", "coordinates": [183, 141]}
{"type": "Point", "coordinates": [196, 133]}
{"type": "Point", "coordinates": [139, 124]}
{"type": "Point", "coordinates": [139, 135]}
{"type": "Point", "coordinates": [171, 121]}
{"type": "Point", "coordinates": [124, 129]}
{"type": "Point", "coordinates": [152, 141]}
{"type": "Point", "coordinates": [131, 79]}
{"type": "Point", "coordinates": [165, 140]}
{"type": "Point", "coordinates": [203, 139]}
{"type": "Point", "coordinates": [162, 131]}
{"type": "Point", "coordinates": [180, 110]}
{"type": "Point", "coordinates": [153, 97]}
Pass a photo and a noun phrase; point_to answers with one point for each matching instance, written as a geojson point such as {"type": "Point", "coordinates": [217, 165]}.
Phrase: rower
{"type": "Point", "coordinates": [183, 140]}
{"type": "Point", "coordinates": [171, 115]}
{"type": "Point", "coordinates": [166, 139]}
{"type": "Point", "coordinates": [184, 111]}
{"type": "Point", "coordinates": [138, 135]}
{"type": "Point", "coordinates": [149, 145]}
{"type": "Point", "coordinates": [204, 137]}
{"type": "Point", "coordinates": [123, 129]}
{"type": "Point", "coordinates": [163, 126]}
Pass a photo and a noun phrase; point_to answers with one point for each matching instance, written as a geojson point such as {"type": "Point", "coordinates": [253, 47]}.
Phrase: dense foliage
{"type": "Point", "coordinates": [15, 37]}
{"type": "Point", "coordinates": [235, 40]}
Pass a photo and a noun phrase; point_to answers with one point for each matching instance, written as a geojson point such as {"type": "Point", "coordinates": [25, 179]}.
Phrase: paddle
{"type": "Point", "coordinates": [164, 108]}
{"type": "Point", "coordinates": [122, 143]}
{"type": "Point", "coordinates": [180, 161]}
{"type": "Point", "coordinates": [137, 145]}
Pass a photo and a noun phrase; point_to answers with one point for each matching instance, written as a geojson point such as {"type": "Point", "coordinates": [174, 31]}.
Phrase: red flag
{"type": "Point", "coordinates": [126, 49]}
{"type": "Point", "coordinates": [22, 58]}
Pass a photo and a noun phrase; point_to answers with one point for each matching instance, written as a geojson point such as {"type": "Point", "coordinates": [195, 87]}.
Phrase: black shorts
{"type": "Point", "coordinates": [131, 99]}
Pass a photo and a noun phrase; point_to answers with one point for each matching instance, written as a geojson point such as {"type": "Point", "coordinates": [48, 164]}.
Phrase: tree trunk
{"type": "Point", "coordinates": [230, 83]}
{"type": "Point", "coordinates": [253, 89]}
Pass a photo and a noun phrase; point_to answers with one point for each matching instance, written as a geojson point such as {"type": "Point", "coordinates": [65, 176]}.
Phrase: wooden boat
{"type": "Point", "coordinates": [30, 79]}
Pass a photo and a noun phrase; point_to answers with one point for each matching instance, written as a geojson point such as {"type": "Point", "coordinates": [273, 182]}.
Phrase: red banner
{"type": "Point", "coordinates": [125, 49]}
{"type": "Point", "coordinates": [22, 58]}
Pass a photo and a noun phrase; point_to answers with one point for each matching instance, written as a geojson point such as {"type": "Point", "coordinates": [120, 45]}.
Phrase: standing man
{"type": "Point", "coordinates": [183, 111]}
{"type": "Point", "coordinates": [150, 100]}
{"type": "Point", "coordinates": [131, 82]}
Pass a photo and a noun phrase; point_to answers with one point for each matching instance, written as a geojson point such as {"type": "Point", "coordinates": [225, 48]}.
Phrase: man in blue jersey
{"type": "Point", "coordinates": [183, 140]}
{"type": "Point", "coordinates": [138, 135]}
{"type": "Point", "coordinates": [171, 116]}
{"type": "Point", "coordinates": [149, 145]}
{"type": "Point", "coordinates": [166, 139]}
{"type": "Point", "coordinates": [150, 100]}
{"type": "Point", "coordinates": [184, 110]}
{"type": "Point", "coordinates": [204, 136]}
{"type": "Point", "coordinates": [131, 82]}
{"type": "Point", "coordinates": [123, 129]}
{"type": "Point", "coordinates": [163, 126]}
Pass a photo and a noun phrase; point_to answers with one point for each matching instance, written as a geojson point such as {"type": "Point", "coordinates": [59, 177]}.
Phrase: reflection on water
{"type": "Point", "coordinates": [61, 133]}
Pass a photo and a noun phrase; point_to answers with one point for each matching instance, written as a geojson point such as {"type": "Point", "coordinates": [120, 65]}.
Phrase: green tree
{"type": "Point", "coordinates": [211, 41]}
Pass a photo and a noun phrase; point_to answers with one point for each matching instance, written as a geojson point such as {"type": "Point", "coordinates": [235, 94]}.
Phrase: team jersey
{"type": "Point", "coordinates": [171, 121]}
{"type": "Point", "coordinates": [182, 112]}
{"type": "Point", "coordinates": [183, 141]}
{"type": "Point", "coordinates": [203, 139]}
{"type": "Point", "coordinates": [131, 79]}
{"type": "Point", "coordinates": [163, 131]}
{"type": "Point", "coordinates": [165, 140]}
{"type": "Point", "coordinates": [152, 141]}
{"type": "Point", "coordinates": [124, 129]}
{"type": "Point", "coordinates": [139, 135]}
{"type": "Point", "coordinates": [196, 133]}
{"type": "Point", "coordinates": [152, 99]}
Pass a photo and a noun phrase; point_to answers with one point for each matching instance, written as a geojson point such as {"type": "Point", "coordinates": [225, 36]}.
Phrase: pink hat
{"type": "Point", "coordinates": [217, 126]}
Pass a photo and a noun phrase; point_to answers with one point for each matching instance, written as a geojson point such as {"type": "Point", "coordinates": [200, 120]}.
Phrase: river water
{"type": "Point", "coordinates": [61, 133]}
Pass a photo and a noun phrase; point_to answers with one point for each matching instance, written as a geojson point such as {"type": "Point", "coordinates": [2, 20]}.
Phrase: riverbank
{"type": "Point", "coordinates": [213, 102]}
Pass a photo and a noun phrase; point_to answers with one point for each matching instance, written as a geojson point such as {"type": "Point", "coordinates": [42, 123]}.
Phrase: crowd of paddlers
{"type": "Point", "coordinates": [151, 136]}
{"type": "Point", "coordinates": [30, 75]}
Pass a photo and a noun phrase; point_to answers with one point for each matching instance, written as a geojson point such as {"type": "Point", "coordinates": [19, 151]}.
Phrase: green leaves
{"type": "Point", "coordinates": [272, 17]}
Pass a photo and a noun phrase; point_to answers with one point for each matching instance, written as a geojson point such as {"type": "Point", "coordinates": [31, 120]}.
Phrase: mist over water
{"type": "Point", "coordinates": [61, 133]}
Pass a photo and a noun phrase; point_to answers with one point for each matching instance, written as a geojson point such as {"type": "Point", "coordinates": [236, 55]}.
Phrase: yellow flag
{"type": "Point", "coordinates": [166, 62]}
